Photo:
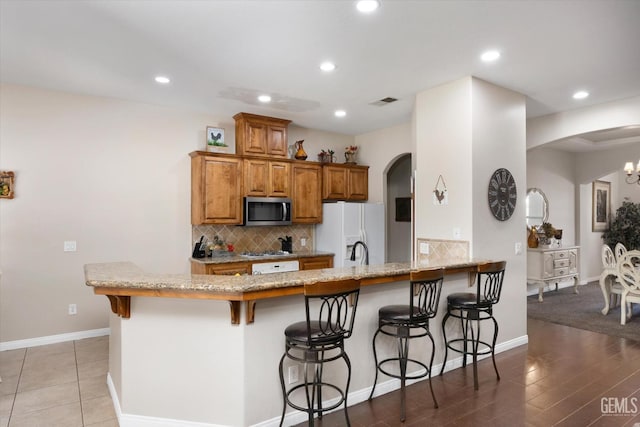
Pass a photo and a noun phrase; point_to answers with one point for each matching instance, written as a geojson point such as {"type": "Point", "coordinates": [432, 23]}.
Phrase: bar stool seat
{"type": "Point", "coordinates": [473, 308]}
{"type": "Point", "coordinates": [330, 309]}
{"type": "Point", "coordinates": [399, 321]}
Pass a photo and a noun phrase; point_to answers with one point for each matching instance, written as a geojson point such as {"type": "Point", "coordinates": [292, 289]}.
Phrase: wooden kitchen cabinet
{"type": "Point", "coordinates": [226, 269]}
{"type": "Point", "coordinates": [261, 135]}
{"type": "Point", "coordinates": [244, 267]}
{"type": "Point", "coordinates": [316, 263]}
{"type": "Point", "coordinates": [306, 193]}
{"type": "Point", "coordinates": [266, 178]}
{"type": "Point", "coordinates": [345, 182]}
{"type": "Point", "coordinates": [216, 185]}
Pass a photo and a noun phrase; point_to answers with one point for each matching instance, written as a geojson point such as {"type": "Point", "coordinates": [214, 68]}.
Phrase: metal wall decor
{"type": "Point", "coordinates": [502, 194]}
{"type": "Point", "coordinates": [7, 180]}
{"type": "Point", "coordinates": [440, 196]}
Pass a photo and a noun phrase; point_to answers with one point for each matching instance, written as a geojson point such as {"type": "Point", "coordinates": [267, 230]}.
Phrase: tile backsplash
{"type": "Point", "coordinates": [255, 238]}
{"type": "Point", "coordinates": [443, 250]}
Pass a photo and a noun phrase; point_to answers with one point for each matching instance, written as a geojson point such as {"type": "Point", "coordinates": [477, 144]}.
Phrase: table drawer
{"type": "Point", "coordinates": [561, 271]}
{"type": "Point", "coordinates": [559, 263]}
{"type": "Point", "coordinates": [561, 255]}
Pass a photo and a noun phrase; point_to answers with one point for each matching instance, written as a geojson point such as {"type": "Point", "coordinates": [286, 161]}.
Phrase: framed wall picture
{"type": "Point", "coordinates": [6, 185]}
{"type": "Point", "coordinates": [215, 140]}
{"type": "Point", "coordinates": [403, 209]}
{"type": "Point", "coordinates": [601, 206]}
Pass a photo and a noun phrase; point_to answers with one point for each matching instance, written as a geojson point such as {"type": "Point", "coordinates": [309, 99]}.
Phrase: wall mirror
{"type": "Point", "coordinates": [537, 208]}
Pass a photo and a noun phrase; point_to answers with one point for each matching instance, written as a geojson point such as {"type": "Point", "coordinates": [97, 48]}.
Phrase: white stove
{"type": "Point", "coordinates": [263, 254]}
{"type": "Point", "coordinates": [274, 267]}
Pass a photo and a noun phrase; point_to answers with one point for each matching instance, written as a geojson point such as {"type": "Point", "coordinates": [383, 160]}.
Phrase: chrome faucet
{"type": "Point", "coordinates": [366, 251]}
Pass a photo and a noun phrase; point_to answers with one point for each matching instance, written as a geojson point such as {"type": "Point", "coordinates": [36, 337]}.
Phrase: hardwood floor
{"type": "Point", "coordinates": [564, 376]}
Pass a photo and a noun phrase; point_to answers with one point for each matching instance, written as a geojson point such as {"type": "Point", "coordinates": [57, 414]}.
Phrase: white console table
{"type": "Point", "coordinates": [552, 265]}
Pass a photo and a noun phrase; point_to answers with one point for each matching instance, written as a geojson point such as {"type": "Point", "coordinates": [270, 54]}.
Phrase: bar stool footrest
{"type": "Point", "coordinates": [407, 377]}
{"type": "Point", "coordinates": [487, 349]}
{"type": "Point", "coordinates": [315, 410]}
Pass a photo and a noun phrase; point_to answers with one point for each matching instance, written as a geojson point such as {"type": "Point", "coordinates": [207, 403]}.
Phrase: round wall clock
{"type": "Point", "coordinates": [502, 194]}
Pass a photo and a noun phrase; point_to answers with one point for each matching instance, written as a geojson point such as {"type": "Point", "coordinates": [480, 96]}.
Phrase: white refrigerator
{"type": "Point", "coordinates": [345, 223]}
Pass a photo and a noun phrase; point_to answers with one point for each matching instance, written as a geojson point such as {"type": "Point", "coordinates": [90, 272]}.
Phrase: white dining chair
{"type": "Point", "coordinates": [611, 287]}
{"type": "Point", "coordinates": [629, 276]}
{"type": "Point", "coordinates": [619, 250]}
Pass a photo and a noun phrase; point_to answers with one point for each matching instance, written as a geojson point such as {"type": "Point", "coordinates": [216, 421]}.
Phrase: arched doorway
{"type": "Point", "coordinates": [398, 223]}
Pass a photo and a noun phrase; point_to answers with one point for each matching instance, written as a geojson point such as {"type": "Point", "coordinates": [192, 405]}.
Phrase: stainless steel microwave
{"type": "Point", "coordinates": [267, 211]}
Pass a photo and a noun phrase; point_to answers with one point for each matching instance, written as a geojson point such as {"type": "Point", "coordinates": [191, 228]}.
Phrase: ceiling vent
{"type": "Point", "coordinates": [384, 101]}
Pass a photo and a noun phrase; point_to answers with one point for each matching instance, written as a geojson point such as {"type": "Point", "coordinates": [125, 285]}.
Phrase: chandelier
{"type": "Point", "coordinates": [631, 179]}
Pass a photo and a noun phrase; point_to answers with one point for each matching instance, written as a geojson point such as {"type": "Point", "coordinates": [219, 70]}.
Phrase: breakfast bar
{"type": "Point", "coordinates": [171, 346]}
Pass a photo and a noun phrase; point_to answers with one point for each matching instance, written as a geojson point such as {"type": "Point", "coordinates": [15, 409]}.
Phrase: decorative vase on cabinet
{"type": "Point", "coordinates": [300, 153]}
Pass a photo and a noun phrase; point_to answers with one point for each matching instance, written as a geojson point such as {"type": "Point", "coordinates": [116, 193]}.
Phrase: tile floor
{"type": "Point", "coordinates": [57, 385]}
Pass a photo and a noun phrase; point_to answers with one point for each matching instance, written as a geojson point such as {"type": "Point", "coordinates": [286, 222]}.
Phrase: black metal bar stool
{"type": "Point", "coordinates": [473, 308]}
{"type": "Point", "coordinates": [399, 321]}
{"type": "Point", "coordinates": [330, 311]}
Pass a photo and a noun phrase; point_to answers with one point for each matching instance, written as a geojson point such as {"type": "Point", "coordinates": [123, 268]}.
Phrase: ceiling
{"type": "Point", "coordinates": [221, 54]}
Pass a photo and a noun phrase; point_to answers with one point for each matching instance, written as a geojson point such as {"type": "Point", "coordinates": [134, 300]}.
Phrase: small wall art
{"type": "Point", "coordinates": [440, 196]}
{"type": "Point", "coordinates": [7, 181]}
{"type": "Point", "coordinates": [215, 140]}
{"type": "Point", "coordinates": [601, 206]}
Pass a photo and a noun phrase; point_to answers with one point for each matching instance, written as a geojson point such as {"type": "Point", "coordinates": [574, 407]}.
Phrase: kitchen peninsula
{"type": "Point", "coordinates": [177, 357]}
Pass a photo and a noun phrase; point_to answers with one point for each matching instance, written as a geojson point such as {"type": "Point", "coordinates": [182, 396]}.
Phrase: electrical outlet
{"type": "Point", "coordinates": [73, 309]}
{"type": "Point", "coordinates": [518, 248]}
{"type": "Point", "coordinates": [303, 242]}
{"type": "Point", "coordinates": [293, 374]}
{"type": "Point", "coordinates": [457, 233]}
{"type": "Point", "coordinates": [69, 246]}
{"type": "Point", "coordinates": [424, 248]}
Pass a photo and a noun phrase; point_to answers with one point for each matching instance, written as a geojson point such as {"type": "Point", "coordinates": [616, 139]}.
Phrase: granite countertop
{"type": "Point", "coordinates": [126, 275]}
{"type": "Point", "coordinates": [236, 257]}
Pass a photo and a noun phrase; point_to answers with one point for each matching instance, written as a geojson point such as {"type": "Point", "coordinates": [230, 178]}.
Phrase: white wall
{"type": "Point", "coordinates": [113, 176]}
{"type": "Point", "coordinates": [552, 127]}
{"type": "Point", "coordinates": [553, 172]}
{"type": "Point", "coordinates": [443, 147]}
{"type": "Point", "coordinates": [498, 133]}
{"type": "Point", "coordinates": [380, 149]}
{"type": "Point", "coordinates": [465, 130]}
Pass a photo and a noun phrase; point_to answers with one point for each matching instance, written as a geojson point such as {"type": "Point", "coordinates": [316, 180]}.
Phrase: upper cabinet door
{"type": "Point", "coordinates": [256, 138]}
{"type": "Point", "coordinates": [306, 198]}
{"type": "Point", "coordinates": [279, 179]}
{"type": "Point", "coordinates": [261, 135]}
{"type": "Point", "coordinates": [256, 172]}
{"type": "Point", "coordinates": [277, 141]}
{"type": "Point", "coordinates": [216, 196]}
{"type": "Point", "coordinates": [334, 183]}
{"type": "Point", "coordinates": [358, 178]}
{"type": "Point", "coordinates": [345, 182]}
{"type": "Point", "coordinates": [264, 178]}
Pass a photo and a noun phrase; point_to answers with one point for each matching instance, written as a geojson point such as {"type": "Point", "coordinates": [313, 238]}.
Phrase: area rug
{"type": "Point", "coordinates": [583, 311]}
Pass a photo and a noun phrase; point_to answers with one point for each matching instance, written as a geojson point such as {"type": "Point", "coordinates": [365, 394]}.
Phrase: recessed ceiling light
{"type": "Point", "coordinates": [490, 55]}
{"type": "Point", "coordinates": [327, 66]}
{"type": "Point", "coordinates": [340, 113]}
{"type": "Point", "coordinates": [162, 79]}
{"type": "Point", "coordinates": [367, 6]}
{"type": "Point", "coordinates": [264, 98]}
{"type": "Point", "coordinates": [580, 94]}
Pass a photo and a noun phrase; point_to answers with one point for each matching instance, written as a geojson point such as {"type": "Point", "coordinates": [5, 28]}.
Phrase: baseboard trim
{"type": "Point", "coordinates": [53, 339]}
{"type": "Point", "coordinates": [128, 420]}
